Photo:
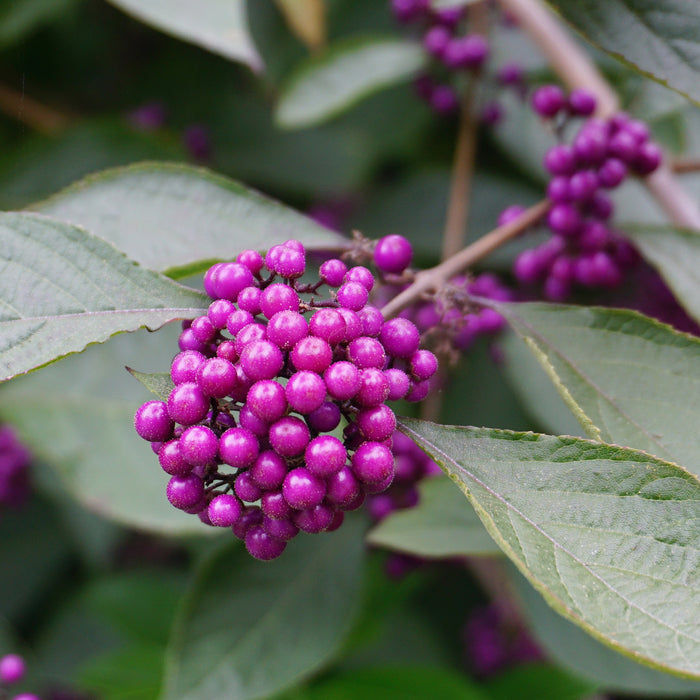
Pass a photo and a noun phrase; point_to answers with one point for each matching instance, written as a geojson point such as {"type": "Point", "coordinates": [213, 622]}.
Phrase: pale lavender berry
{"type": "Point", "coordinates": [329, 325]}
{"type": "Point", "coordinates": [171, 460]}
{"type": "Point", "coordinates": [314, 520]}
{"type": "Point", "coordinates": [612, 172]}
{"type": "Point", "coordinates": [436, 40]}
{"type": "Point", "coordinates": [153, 422]}
{"type": "Point", "coordinates": [269, 470]}
{"type": "Point", "coordinates": [581, 102]}
{"type": "Point", "coordinates": [418, 391]}
{"type": "Point", "coordinates": [466, 52]}
{"type": "Point", "coordinates": [332, 272]}
{"type": "Point", "coordinates": [373, 462]}
{"type": "Point", "coordinates": [342, 380]}
{"type": "Point", "coordinates": [377, 424]}
{"type": "Point", "coordinates": [261, 360]}
{"type": "Point", "coordinates": [398, 384]}
{"type": "Point", "coordinates": [352, 295]}
{"type": "Point", "coordinates": [224, 510]}
{"type": "Point", "coordinates": [548, 100]}
{"type": "Point", "coordinates": [203, 329]}
{"type": "Point", "coordinates": [266, 399]}
{"type": "Point", "coordinates": [325, 418]}
{"type": "Point", "coordinates": [291, 263]}
{"type": "Point", "coordinates": [564, 219]}
{"type": "Point", "coordinates": [312, 353]}
{"type": "Point", "coordinates": [305, 391]}
{"type": "Point", "coordinates": [219, 312]}
{"type": "Point", "coordinates": [362, 276]}
{"type": "Point", "coordinates": [262, 546]}
{"type": "Point", "coordinates": [343, 488]}
{"type": "Point", "coordinates": [251, 259]}
{"type": "Point", "coordinates": [400, 337]}
{"type": "Point", "coordinates": [274, 505]}
{"type": "Point", "coordinates": [325, 455]}
{"type": "Point", "coordinates": [185, 365]}
{"type": "Point", "coordinates": [367, 352]}
{"type": "Point", "coordinates": [12, 669]}
{"type": "Point", "coordinates": [246, 489]}
{"type": "Point", "coordinates": [353, 324]}
{"type": "Point", "coordinates": [286, 328]}
{"type": "Point", "coordinates": [289, 436]}
{"type": "Point", "coordinates": [249, 300]}
{"type": "Point", "coordinates": [237, 320]}
{"type": "Point", "coordinates": [230, 279]}
{"type": "Point", "coordinates": [238, 447]}
{"type": "Point", "coordinates": [250, 517]}
{"type": "Point", "coordinates": [185, 492]}
{"type": "Point", "coordinates": [560, 160]}
{"type": "Point", "coordinates": [374, 387]}
{"type": "Point", "coordinates": [301, 489]}
{"type": "Point", "coordinates": [199, 445]}
{"type": "Point", "coordinates": [393, 254]}
{"type": "Point", "coordinates": [217, 377]}
{"type": "Point", "coordinates": [372, 320]}
{"type": "Point", "coordinates": [278, 297]}
{"type": "Point", "coordinates": [284, 530]}
{"type": "Point", "coordinates": [423, 364]}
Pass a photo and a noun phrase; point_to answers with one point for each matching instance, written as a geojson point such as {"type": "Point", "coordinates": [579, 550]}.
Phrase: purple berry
{"type": "Point", "coordinates": [171, 460]}
{"type": "Point", "coordinates": [238, 447]}
{"type": "Point", "coordinates": [612, 172]}
{"type": "Point", "coordinates": [229, 279]}
{"type": "Point", "coordinates": [367, 352]}
{"type": "Point", "coordinates": [466, 52]}
{"type": "Point", "coordinates": [281, 529]}
{"type": "Point", "coordinates": [311, 353]}
{"type": "Point", "coordinates": [237, 320]}
{"type": "Point", "coordinates": [291, 263]}
{"type": "Point", "coordinates": [582, 102]}
{"type": "Point", "coordinates": [198, 445]}
{"type": "Point", "coordinates": [374, 387]}
{"type": "Point", "coordinates": [648, 158]}
{"type": "Point", "coordinates": [342, 380]}
{"type": "Point", "coordinates": [583, 185]}
{"type": "Point", "coordinates": [246, 489]}
{"type": "Point", "coordinates": [261, 360]}
{"type": "Point", "coordinates": [12, 669]}
{"type": "Point", "coordinates": [398, 384]}
{"type": "Point", "coordinates": [305, 391]}
{"type": "Point", "coordinates": [187, 404]}
{"type": "Point", "coordinates": [436, 40]}
{"type": "Point", "coordinates": [224, 510]}
{"type": "Point", "coordinates": [423, 364]}
{"type": "Point", "coordinates": [362, 276]}
{"type": "Point", "coordinates": [333, 271]}
{"type": "Point", "coordinates": [219, 311]}
{"type": "Point", "coordinates": [302, 489]}
{"type": "Point", "coordinates": [274, 506]}
{"type": "Point", "coordinates": [548, 100]}
{"type": "Point", "coordinates": [289, 436]}
{"type": "Point", "coordinates": [262, 546]}
{"type": "Point", "coordinates": [343, 488]}
{"type": "Point", "coordinates": [247, 335]}
{"type": "Point", "coordinates": [266, 399]}
{"type": "Point", "coordinates": [251, 259]}
{"type": "Point", "coordinates": [353, 324]}
{"type": "Point", "coordinates": [399, 337]}
{"type": "Point", "coordinates": [372, 320]}
{"type": "Point", "coordinates": [314, 520]}
{"type": "Point", "coordinates": [185, 492]}
{"type": "Point", "coordinates": [564, 219]}
{"type": "Point", "coordinates": [329, 325]}
{"type": "Point", "coordinates": [325, 455]}
{"type": "Point", "coordinates": [377, 424]}
{"type": "Point", "coordinates": [185, 365]}
{"type": "Point", "coordinates": [393, 254]}
{"type": "Point", "coordinates": [325, 418]}
{"type": "Point", "coordinates": [250, 517]}
{"type": "Point", "coordinates": [203, 330]}
{"type": "Point", "coordinates": [352, 295]}
{"type": "Point", "coordinates": [560, 160]}
{"type": "Point", "coordinates": [249, 300]}
{"type": "Point", "coordinates": [373, 462]}
{"type": "Point", "coordinates": [443, 99]}
{"type": "Point", "coordinates": [269, 470]}
{"type": "Point", "coordinates": [286, 328]}
{"type": "Point", "coordinates": [217, 377]}
{"type": "Point", "coordinates": [417, 391]}
{"type": "Point", "coordinates": [153, 422]}
{"type": "Point", "coordinates": [278, 297]}
{"type": "Point", "coordinates": [188, 341]}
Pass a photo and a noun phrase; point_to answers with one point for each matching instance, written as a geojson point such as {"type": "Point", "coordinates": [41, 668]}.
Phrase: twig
{"type": "Point", "coordinates": [576, 69]}
{"type": "Point", "coordinates": [431, 280]}
{"type": "Point", "coordinates": [17, 105]}
{"type": "Point", "coordinates": [686, 165]}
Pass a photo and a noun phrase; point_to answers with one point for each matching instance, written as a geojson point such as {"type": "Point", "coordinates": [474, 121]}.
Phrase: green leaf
{"type": "Point", "coordinates": [397, 683]}
{"type": "Point", "coordinates": [439, 526]}
{"type": "Point", "coordinates": [572, 649]}
{"type": "Point", "coordinates": [628, 379]}
{"type": "Point", "coordinates": [350, 70]}
{"type": "Point", "coordinates": [542, 681]}
{"type": "Point", "coordinates": [250, 628]}
{"type": "Point", "coordinates": [608, 535]}
{"type": "Point", "coordinates": [168, 216]}
{"type": "Point", "coordinates": [158, 383]}
{"type": "Point", "coordinates": [220, 26]}
{"type": "Point", "coordinates": [63, 289]}
{"type": "Point", "coordinates": [78, 416]}
{"type": "Point", "coordinates": [675, 253]}
{"type": "Point", "coordinates": [20, 17]}
{"type": "Point", "coordinates": [659, 39]}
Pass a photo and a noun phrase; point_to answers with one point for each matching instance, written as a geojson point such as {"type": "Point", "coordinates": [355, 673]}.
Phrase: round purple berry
{"type": "Point", "coordinates": [238, 447]}
{"type": "Point", "coordinates": [325, 455]}
{"type": "Point", "coordinates": [374, 387]}
{"type": "Point", "coordinates": [325, 418]}
{"type": "Point", "coordinates": [352, 295]}
{"type": "Point", "coordinates": [400, 337]}
{"type": "Point", "coordinates": [224, 510]}
{"type": "Point", "coordinates": [230, 279]}
{"type": "Point", "coordinates": [153, 422]}
{"type": "Point", "coordinates": [423, 364]}
{"type": "Point", "coordinates": [266, 399]}
{"type": "Point", "coordinates": [262, 546]}
{"type": "Point", "coordinates": [185, 492]}
{"type": "Point", "coordinates": [286, 329]}
{"type": "Point", "coordinates": [171, 460]}
{"type": "Point", "coordinates": [377, 424]}
{"type": "Point", "coordinates": [12, 669]}
{"type": "Point", "coordinates": [332, 272]}
{"type": "Point", "coordinates": [373, 462]}
{"type": "Point", "coordinates": [269, 470]}
{"type": "Point", "coordinates": [246, 489]}
{"type": "Point", "coordinates": [548, 100]}
{"type": "Point", "coordinates": [312, 353]}
{"type": "Point", "coordinates": [289, 436]}
{"type": "Point", "coordinates": [342, 380]}
{"type": "Point", "coordinates": [278, 297]}
{"type": "Point", "coordinates": [198, 445]}
{"type": "Point", "coordinates": [187, 404]}
{"type": "Point", "coordinates": [302, 489]}
{"type": "Point", "coordinates": [362, 276]}
{"type": "Point", "coordinates": [217, 377]}
{"type": "Point", "coordinates": [581, 102]}
{"type": "Point", "coordinates": [185, 365]}
{"type": "Point", "coordinates": [261, 360]}
{"type": "Point", "coordinates": [367, 352]}
{"type": "Point", "coordinates": [305, 391]}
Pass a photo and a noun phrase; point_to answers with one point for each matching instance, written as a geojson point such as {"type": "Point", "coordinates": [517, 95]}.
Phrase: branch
{"type": "Point", "coordinates": [576, 69]}
{"type": "Point", "coordinates": [431, 280]}
{"type": "Point", "coordinates": [24, 109]}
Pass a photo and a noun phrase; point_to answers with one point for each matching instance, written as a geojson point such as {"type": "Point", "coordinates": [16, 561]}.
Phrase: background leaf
{"type": "Point", "coordinates": [62, 289]}
{"type": "Point", "coordinates": [158, 383]}
{"type": "Point", "coordinates": [658, 38]}
{"type": "Point", "coordinates": [220, 26]}
{"type": "Point", "coordinates": [441, 525]}
{"type": "Point", "coordinates": [608, 535]}
{"type": "Point", "coordinates": [20, 17]}
{"type": "Point", "coordinates": [349, 70]}
{"type": "Point", "coordinates": [250, 628]}
{"type": "Point", "coordinates": [629, 379]}
{"type": "Point", "coordinates": [159, 214]}
{"type": "Point", "coordinates": [85, 406]}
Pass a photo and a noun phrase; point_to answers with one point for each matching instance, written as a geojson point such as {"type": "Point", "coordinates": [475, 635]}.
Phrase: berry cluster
{"type": "Point", "coordinates": [584, 249]}
{"type": "Point", "coordinates": [262, 380]}
{"type": "Point", "coordinates": [14, 469]}
{"type": "Point", "coordinates": [446, 43]}
{"type": "Point", "coordinates": [12, 671]}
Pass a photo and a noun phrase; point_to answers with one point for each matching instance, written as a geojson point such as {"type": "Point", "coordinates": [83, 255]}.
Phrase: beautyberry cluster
{"type": "Point", "coordinates": [584, 249]}
{"type": "Point", "coordinates": [14, 469]}
{"type": "Point", "coordinates": [12, 671]}
{"type": "Point", "coordinates": [265, 377]}
{"type": "Point", "coordinates": [446, 42]}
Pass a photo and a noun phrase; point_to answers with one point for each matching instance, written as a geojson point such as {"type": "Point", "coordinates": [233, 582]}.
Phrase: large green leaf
{"type": "Point", "coordinates": [166, 217]}
{"type": "Point", "coordinates": [608, 535]}
{"type": "Point", "coordinates": [628, 379]}
{"type": "Point", "coordinates": [544, 682]}
{"type": "Point", "coordinates": [657, 37]}
{"type": "Point", "coordinates": [572, 649]}
{"type": "Point", "coordinates": [77, 415]}
{"type": "Point", "coordinates": [62, 288]}
{"type": "Point", "coordinates": [439, 526]}
{"type": "Point", "coordinates": [21, 17]}
{"type": "Point", "coordinates": [250, 628]}
{"type": "Point", "coordinates": [220, 26]}
{"type": "Point", "coordinates": [349, 71]}
{"type": "Point", "coordinates": [676, 255]}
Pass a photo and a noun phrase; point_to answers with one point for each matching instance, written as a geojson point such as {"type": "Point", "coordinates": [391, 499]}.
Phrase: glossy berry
{"type": "Point", "coordinates": [238, 447]}
{"type": "Point", "coordinates": [198, 445]}
{"type": "Point", "coordinates": [286, 328]}
{"type": "Point", "coordinates": [548, 100]}
{"type": "Point", "coordinates": [289, 436]}
{"type": "Point", "coordinates": [261, 545]}
{"type": "Point", "coordinates": [373, 462]}
{"type": "Point", "coordinates": [224, 510]}
{"type": "Point", "coordinates": [187, 404]}
{"type": "Point", "coordinates": [267, 400]}
{"type": "Point", "coordinates": [400, 337]}
{"type": "Point", "coordinates": [12, 669]}
{"type": "Point", "coordinates": [217, 377]}
{"type": "Point", "coordinates": [302, 489]}
{"type": "Point", "coordinates": [184, 492]}
{"type": "Point", "coordinates": [352, 295]}
{"type": "Point", "coordinates": [325, 455]}
{"type": "Point", "coordinates": [333, 271]}
{"type": "Point", "coordinates": [305, 391]}
{"type": "Point", "coordinates": [153, 422]}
